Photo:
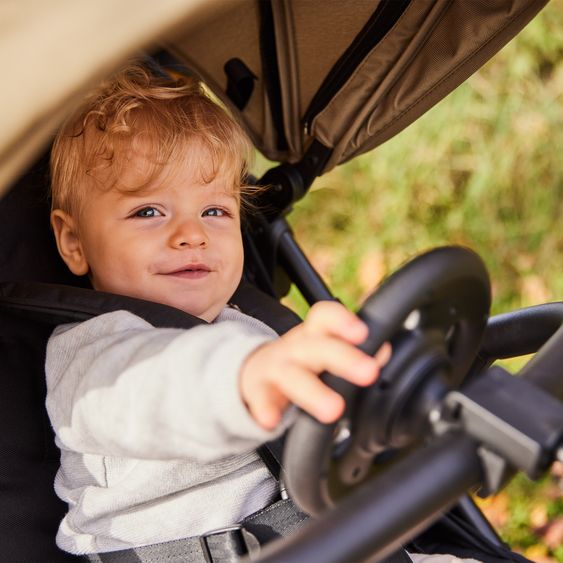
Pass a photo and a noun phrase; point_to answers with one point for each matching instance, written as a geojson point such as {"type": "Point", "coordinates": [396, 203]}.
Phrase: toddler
{"type": "Point", "coordinates": [158, 427]}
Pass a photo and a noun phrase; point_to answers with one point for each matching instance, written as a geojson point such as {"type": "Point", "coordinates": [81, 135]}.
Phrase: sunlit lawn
{"type": "Point", "coordinates": [483, 169]}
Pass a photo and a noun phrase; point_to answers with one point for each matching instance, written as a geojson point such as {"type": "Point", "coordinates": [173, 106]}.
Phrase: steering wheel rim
{"type": "Point", "coordinates": [446, 285]}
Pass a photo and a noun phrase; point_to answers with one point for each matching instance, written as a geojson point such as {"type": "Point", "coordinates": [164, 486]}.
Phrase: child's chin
{"type": "Point", "coordinates": [196, 310]}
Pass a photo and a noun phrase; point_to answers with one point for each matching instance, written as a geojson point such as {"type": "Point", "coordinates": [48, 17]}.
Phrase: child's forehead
{"type": "Point", "coordinates": [137, 168]}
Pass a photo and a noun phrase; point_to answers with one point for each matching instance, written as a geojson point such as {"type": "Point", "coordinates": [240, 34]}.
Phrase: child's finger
{"type": "Point", "coordinates": [332, 318]}
{"type": "Point", "coordinates": [327, 353]}
{"type": "Point", "coordinates": [266, 405]}
{"type": "Point", "coordinates": [383, 355]}
{"type": "Point", "coordinates": [304, 389]}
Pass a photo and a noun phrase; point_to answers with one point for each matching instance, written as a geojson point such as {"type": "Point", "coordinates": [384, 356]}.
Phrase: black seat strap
{"type": "Point", "coordinates": [271, 454]}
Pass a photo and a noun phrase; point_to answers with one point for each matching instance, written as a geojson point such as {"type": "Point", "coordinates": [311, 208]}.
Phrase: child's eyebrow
{"type": "Point", "coordinates": [230, 195]}
{"type": "Point", "coordinates": [126, 195]}
{"type": "Point", "coordinates": [135, 194]}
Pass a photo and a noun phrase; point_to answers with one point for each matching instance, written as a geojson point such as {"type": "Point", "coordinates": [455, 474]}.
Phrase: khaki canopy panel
{"type": "Point", "coordinates": [348, 74]}
{"type": "Point", "coordinates": [52, 51]}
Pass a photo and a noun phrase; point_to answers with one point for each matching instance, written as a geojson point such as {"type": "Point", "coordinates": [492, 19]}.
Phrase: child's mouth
{"type": "Point", "coordinates": [191, 272]}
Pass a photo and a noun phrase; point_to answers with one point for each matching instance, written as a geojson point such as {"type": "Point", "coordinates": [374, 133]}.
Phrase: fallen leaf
{"type": "Point", "coordinates": [538, 516]}
{"type": "Point", "coordinates": [534, 290]}
{"type": "Point", "coordinates": [552, 533]}
{"type": "Point", "coordinates": [538, 554]}
{"type": "Point", "coordinates": [495, 508]}
{"type": "Point", "coordinates": [557, 469]}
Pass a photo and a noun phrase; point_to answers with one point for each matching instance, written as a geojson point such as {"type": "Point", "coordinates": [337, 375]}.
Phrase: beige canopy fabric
{"type": "Point", "coordinates": [51, 51]}
{"type": "Point", "coordinates": [430, 47]}
{"type": "Point", "coordinates": [349, 75]}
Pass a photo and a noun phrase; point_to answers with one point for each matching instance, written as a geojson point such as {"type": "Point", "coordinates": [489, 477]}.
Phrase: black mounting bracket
{"type": "Point", "coordinates": [288, 183]}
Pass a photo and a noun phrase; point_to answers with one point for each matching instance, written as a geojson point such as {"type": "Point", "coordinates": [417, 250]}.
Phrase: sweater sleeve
{"type": "Point", "coordinates": [117, 386]}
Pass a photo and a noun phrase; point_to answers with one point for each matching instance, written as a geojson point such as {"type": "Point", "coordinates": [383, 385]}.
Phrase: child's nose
{"type": "Point", "coordinates": [190, 234]}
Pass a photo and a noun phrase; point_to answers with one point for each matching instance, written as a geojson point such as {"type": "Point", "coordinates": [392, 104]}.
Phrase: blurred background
{"type": "Point", "coordinates": [484, 168]}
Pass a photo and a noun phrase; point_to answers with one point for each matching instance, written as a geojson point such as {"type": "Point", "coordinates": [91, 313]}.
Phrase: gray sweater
{"type": "Point", "coordinates": [156, 444]}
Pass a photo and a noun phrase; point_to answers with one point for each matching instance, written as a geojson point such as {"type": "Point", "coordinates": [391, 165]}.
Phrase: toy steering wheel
{"type": "Point", "coordinates": [434, 311]}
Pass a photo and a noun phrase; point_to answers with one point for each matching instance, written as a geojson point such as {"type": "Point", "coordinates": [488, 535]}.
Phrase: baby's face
{"type": "Point", "coordinates": [179, 243]}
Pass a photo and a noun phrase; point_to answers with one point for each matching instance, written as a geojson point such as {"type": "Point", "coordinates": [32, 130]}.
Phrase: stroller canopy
{"type": "Point", "coordinates": [349, 75]}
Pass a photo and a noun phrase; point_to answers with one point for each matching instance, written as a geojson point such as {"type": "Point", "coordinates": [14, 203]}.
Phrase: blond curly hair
{"type": "Point", "coordinates": [140, 111]}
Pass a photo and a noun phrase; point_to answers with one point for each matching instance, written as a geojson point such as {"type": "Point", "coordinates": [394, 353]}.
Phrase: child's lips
{"type": "Point", "coordinates": [191, 272]}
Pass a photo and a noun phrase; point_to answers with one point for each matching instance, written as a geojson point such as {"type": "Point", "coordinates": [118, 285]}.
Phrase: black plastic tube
{"type": "Point", "coordinates": [388, 511]}
{"type": "Point", "coordinates": [537, 329]}
{"type": "Point", "coordinates": [521, 332]}
{"type": "Point", "coordinates": [297, 265]}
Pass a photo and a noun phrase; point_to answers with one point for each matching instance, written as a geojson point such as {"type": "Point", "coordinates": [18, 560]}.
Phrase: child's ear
{"type": "Point", "coordinates": [68, 242]}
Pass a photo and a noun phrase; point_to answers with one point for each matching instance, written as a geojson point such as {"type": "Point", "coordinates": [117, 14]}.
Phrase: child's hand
{"type": "Point", "coordinates": [286, 370]}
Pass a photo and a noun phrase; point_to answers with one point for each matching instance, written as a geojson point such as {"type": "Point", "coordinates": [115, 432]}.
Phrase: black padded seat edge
{"type": "Point", "coordinates": [58, 304]}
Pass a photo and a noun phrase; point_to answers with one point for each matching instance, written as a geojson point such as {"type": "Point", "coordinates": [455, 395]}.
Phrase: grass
{"type": "Point", "coordinates": [484, 168]}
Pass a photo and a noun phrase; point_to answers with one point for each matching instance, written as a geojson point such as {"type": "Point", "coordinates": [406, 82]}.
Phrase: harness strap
{"type": "Point", "coordinates": [226, 545]}
{"type": "Point", "coordinates": [271, 454]}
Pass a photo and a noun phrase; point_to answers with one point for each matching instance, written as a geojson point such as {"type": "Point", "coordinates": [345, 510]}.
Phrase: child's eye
{"type": "Point", "coordinates": [215, 212]}
{"type": "Point", "coordinates": [147, 212]}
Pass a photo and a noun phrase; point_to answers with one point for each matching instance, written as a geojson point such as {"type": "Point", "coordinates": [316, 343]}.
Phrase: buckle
{"type": "Point", "coordinates": [228, 545]}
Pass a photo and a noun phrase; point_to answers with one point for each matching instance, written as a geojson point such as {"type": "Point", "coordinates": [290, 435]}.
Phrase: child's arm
{"type": "Point", "coordinates": [286, 370]}
{"type": "Point", "coordinates": [117, 386]}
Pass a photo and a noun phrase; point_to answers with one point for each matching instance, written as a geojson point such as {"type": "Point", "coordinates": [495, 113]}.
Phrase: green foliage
{"type": "Point", "coordinates": [483, 169]}
{"type": "Point", "coordinates": [534, 510]}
